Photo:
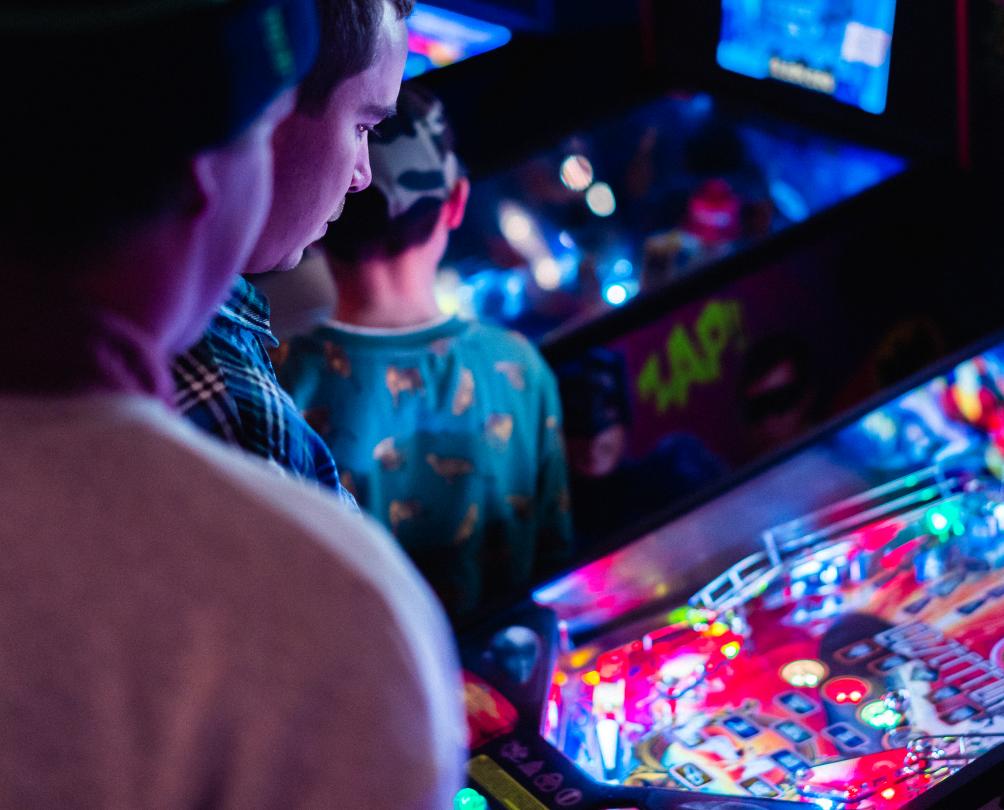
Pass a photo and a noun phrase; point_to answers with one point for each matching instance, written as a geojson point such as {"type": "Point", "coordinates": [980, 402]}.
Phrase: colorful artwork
{"type": "Point", "coordinates": [839, 665]}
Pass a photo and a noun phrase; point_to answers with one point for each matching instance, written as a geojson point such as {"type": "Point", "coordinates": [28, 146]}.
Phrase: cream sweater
{"type": "Point", "coordinates": [182, 628]}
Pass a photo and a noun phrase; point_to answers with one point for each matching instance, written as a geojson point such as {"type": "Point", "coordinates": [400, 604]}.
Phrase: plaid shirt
{"type": "Point", "coordinates": [227, 386]}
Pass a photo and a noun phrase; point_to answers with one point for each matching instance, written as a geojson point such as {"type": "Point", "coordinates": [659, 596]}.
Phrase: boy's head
{"type": "Point", "coordinates": [143, 128]}
{"type": "Point", "coordinates": [418, 191]}
{"type": "Point", "coordinates": [321, 151]}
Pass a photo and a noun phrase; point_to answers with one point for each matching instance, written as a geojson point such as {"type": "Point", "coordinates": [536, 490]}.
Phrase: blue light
{"type": "Point", "coordinates": [622, 267]}
{"type": "Point", "coordinates": [789, 201]}
{"type": "Point", "coordinates": [437, 38]}
{"type": "Point", "coordinates": [618, 293]}
{"type": "Point", "coordinates": [842, 48]}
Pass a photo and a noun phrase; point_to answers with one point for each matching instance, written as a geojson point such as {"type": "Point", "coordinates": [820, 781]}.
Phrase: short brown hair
{"type": "Point", "coordinates": [349, 30]}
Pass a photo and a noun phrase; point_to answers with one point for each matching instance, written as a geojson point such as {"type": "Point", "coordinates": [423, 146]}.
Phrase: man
{"type": "Point", "coordinates": [179, 628]}
{"type": "Point", "coordinates": [226, 383]}
{"type": "Point", "coordinates": [449, 432]}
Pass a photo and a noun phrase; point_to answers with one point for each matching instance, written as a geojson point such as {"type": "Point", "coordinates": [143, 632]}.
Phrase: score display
{"type": "Point", "coordinates": [841, 48]}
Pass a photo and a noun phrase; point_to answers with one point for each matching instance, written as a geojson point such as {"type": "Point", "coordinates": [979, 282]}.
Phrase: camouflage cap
{"type": "Point", "coordinates": [412, 158]}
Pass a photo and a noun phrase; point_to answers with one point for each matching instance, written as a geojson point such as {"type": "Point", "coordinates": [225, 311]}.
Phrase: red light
{"type": "Point", "coordinates": [846, 690]}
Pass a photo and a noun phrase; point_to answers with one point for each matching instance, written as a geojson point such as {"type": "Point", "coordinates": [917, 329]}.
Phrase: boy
{"type": "Point", "coordinates": [448, 431]}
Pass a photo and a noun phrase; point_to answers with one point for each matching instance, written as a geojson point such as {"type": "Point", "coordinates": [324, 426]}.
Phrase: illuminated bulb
{"type": "Point", "coordinates": [856, 697]}
{"type": "Point", "coordinates": [718, 629]}
{"type": "Point", "coordinates": [889, 793]}
{"type": "Point", "coordinates": [577, 172]}
{"type": "Point", "coordinates": [565, 238]}
{"type": "Point", "coordinates": [547, 274]}
{"type": "Point", "coordinates": [879, 715]}
{"type": "Point", "coordinates": [516, 226]}
{"type": "Point", "coordinates": [560, 678]}
{"type": "Point", "coordinates": [804, 673]}
{"type": "Point", "coordinates": [591, 678]}
{"type": "Point", "coordinates": [731, 650]}
{"type": "Point", "coordinates": [841, 697]}
{"type": "Point", "coordinates": [468, 799]}
{"type": "Point", "coordinates": [615, 294]}
{"type": "Point", "coordinates": [600, 199]}
{"type": "Point", "coordinates": [941, 518]}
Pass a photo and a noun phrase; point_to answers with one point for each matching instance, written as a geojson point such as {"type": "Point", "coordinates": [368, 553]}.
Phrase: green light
{"type": "Point", "coordinates": [693, 617]}
{"type": "Point", "coordinates": [731, 650]}
{"type": "Point", "coordinates": [942, 518]}
{"type": "Point", "coordinates": [468, 799]}
{"type": "Point", "coordinates": [938, 522]}
{"type": "Point", "coordinates": [878, 715]}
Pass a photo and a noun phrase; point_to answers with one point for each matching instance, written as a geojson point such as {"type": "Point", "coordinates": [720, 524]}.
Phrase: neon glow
{"type": "Point", "coordinates": [693, 356]}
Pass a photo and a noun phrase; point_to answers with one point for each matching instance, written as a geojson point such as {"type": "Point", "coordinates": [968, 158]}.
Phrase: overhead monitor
{"type": "Point", "coordinates": [437, 38]}
{"type": "Point", "coordinates": [838, 47]}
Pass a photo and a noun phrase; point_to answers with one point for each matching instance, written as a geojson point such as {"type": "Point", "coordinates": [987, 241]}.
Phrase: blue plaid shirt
{"type": "Point", "coordinates": [227, 386]}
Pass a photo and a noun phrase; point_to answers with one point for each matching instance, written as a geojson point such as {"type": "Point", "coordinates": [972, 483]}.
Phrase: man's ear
{"type": "Point", "coordinates": [201, 186]}
{"type": "Point", "coordinates": [456, 203]}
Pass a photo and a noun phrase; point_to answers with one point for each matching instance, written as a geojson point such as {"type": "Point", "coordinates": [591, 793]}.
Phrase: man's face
{"type": "Point", "coordinates": [319, 159]}
{"type": "Point", "coordinates": [236, 180]}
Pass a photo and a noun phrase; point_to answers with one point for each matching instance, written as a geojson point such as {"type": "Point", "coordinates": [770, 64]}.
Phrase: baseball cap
{"type": "Point", "coordinates": [179, 75]}
{"type": "Point", "coordinates": [412, 157]}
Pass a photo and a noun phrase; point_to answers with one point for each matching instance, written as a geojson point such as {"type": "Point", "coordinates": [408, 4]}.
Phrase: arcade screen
{"type": "Point", "coordinates": [438, 38]}
{"type": "Point", "coordinates": [854, 661]}
{"type": "Point", "coordinates": [838, 47]}
{"type": "Point", "coordinates": [638, 201]}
